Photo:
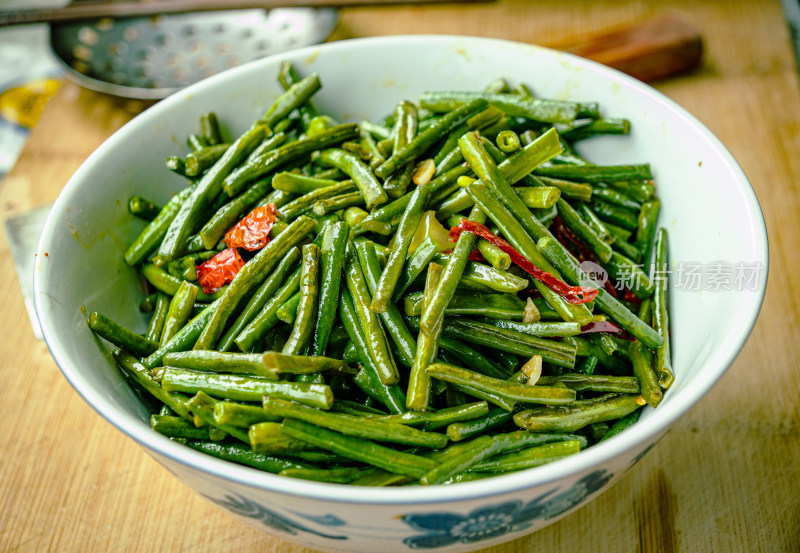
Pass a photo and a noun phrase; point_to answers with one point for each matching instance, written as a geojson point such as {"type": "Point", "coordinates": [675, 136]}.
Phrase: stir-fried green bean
{"type": "Point", "coordinates": [291, 328]}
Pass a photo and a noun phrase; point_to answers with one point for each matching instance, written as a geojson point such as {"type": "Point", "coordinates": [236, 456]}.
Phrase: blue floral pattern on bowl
{"type": "Point", "coordinates": [245, 507]}
{"type": "Point", "coordinates": [443, 529]}
{"type": "Point", "coordinates": [438, 529]}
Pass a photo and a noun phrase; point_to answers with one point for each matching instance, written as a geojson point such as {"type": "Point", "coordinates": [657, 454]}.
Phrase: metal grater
{"type": "Point", "coordinates": [149, 58]}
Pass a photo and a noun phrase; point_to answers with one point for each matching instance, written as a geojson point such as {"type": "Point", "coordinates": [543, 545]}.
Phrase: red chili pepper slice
{"type": "Point", "coordinates": [475, 255]}
{"type": "Point", "coordinates": [252, 232]}
{"type": "Point", "coordinates": [573, 294]}
{"type": "Point", "coordinates": [571, 241]}
{"type": "Point", "coordinates": [630, 297]}
{"type": "Point", "coordinates": [219, 270]}
{"type": "Point", "coordinates": [607, 327]}
{"type": "Point", "coordinates": [608, 287]}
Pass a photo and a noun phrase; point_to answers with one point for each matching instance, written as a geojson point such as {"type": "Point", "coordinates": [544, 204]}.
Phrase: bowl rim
{"type": "Point", "coordinates": [647, 431]}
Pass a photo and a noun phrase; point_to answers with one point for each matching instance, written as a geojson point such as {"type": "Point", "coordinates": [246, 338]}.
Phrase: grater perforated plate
{"type": "Point", "coordinates": [151, 57]}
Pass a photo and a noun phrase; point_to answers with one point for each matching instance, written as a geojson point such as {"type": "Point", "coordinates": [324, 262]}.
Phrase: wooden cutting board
{"type": "Point", "coordinates": [723, 479]}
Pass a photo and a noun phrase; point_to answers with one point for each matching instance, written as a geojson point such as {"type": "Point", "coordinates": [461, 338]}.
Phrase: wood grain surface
{"type": "Point", "coordinates": [724, 479]}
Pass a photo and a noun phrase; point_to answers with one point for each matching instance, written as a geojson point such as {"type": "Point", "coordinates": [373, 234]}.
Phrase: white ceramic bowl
{"type": "Point", "coordinates": [712, 215]}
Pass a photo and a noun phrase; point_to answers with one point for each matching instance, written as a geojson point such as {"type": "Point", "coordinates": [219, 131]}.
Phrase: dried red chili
{"type": "Point", "coordinates": [608, 327]}
{"type": "Point", "coordinates": [474, 255]}
{"type": "Point", "coordinates": [219, 270]}
{"type": "Point", "coordinates": [252, 232]}
{"type": "Point", "coordinates": [608, 287]}
{"type": "Point", "coordinates": [573, 294]}
{"type": "Point", "coordinates": [571, 241]}
{"type": "Point", "coordinates": [630, 297]}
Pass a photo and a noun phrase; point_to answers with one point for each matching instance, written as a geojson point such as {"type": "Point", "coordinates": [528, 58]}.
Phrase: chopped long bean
{"type": "Point", "coordinates": [369, 320]}
{"type": "Point", "coordinates": [334, 242]}
{"type": "Point", "coordinates": [519, 237]}
{"type": "Point", "coordinates": [157, 318]}
{"type": "Point", "coordinates": [362, 175]}
{"type": "Point", "coordinates": [196, 206]}
{"type": "Point", "coordinates": [643, 366]}
{"type": "Point", "coordinates": [244, 455]}
{"type": "Point", "coordinates": [289, 153]}
{"type": "Point", "coordinates": [267, 318]}
{"type": "Point", "coordinates": [566, 418]}
{"type": "Point", "coordinates": [352, 368]}
{"type": "Point", "coordinates": [433, 312]}
{"type": "Point", "coordinates": [154, 232]}
{"type": "Point", "coordinates": [179, 312]}
{"type": "Point", "coordinates": [351, 425]}
{"type": "Point", "coordinates": [392, 319]}
{"type": "Point", "coordinates": [419, 384]}
{"type": "Point", "coordinates": [405, 129]}
{"type": "Point", "coordinates": [508, 340]}
{"type": "Point", "coordinates": [661, 312]}
{"type": "Point", "coordinates": [529, 457]}
{"type": "Point", "coordinates": [119, 335]}
{"type": "Point", "coordinates": [262, 295]}
{"type": "Point", "coordinates": [415, 264]}
{"type": "Point", "coordinates": [545, 395]}
{"type": "Point", "coordinates": [250, 276]}
{"type": "Point", "coordinates": [390, 395]}
{"type": "Point", "coordinates": [597, 173]}
{"type": "Point", "coordinates": [584, 231]}
{"type": "Point", "coordinates": [425, 139]}
{"type": "Point", "coordinates": [547, 111]}
{"type": "Point", "coordinates": [359, 449]}
{"type": "Point", "coordinates": [245, 388]}
{"type": "Point", "coordinates": [309, 298]}
{"type": "Point", "coordinates": [646, 230]}
{"type": "Point", "coordinates": [559, 256]}
{"type": "Point", "coordinates": [394, 264]}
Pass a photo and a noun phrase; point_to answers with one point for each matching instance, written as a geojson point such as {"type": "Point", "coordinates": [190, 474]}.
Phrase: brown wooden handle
{"type": "Point", "coordinates": [658, 48]}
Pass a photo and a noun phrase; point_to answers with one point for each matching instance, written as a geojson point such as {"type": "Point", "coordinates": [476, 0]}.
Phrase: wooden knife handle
{"type": "Point", "coordinates": [658, 48]}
